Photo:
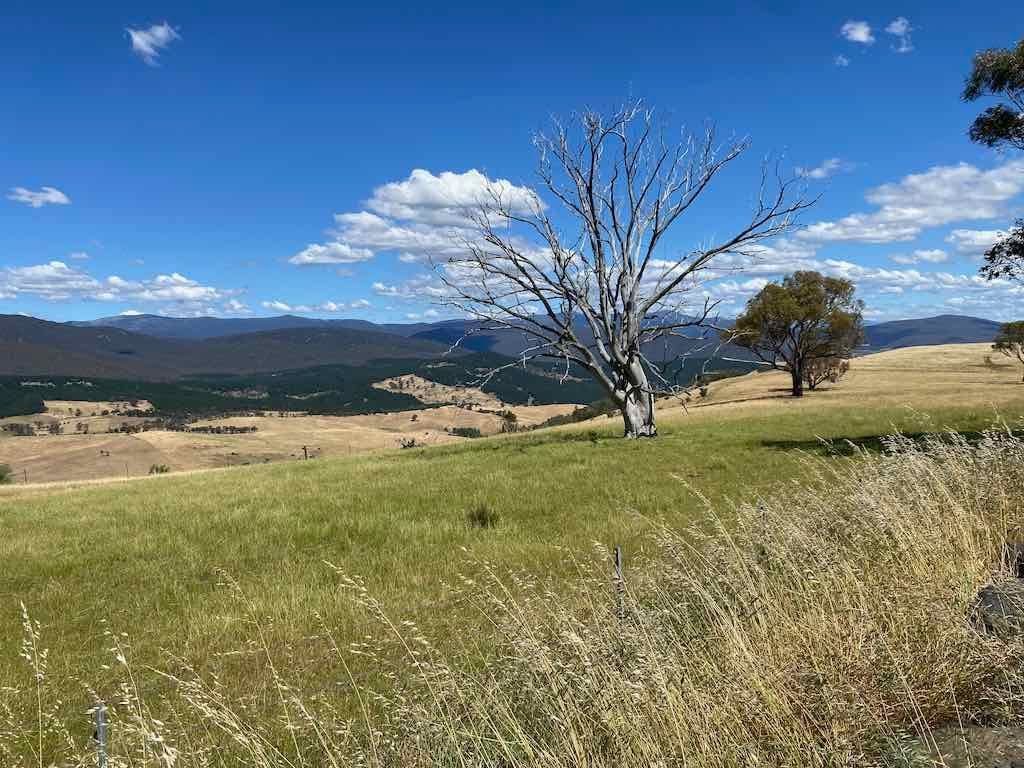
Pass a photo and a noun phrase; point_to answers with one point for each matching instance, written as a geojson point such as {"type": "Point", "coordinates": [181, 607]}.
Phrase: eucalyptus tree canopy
{"type": "Point", "coordinates": [998, 73]}
{"type": "Point", "coordinates": [1005, 259]}
{"type": "Point", "coordinates": [594, 282]}
{"type": "Point", "coordinates": [796, 324]}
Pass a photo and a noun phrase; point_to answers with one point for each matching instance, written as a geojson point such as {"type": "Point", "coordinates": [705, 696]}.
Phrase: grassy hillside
{"type": "Point", "coordinates": [149, 557]}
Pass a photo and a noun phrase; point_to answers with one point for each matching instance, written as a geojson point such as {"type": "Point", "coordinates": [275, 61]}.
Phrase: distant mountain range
{"type": "Point", "coordinates": [29, 346]}
{"type": "Point", "coordinates": [942, 329]}
{"type": "Point", "coordinates": [156, 348]}
{"type": "Point", "coordinates": [928, 331]}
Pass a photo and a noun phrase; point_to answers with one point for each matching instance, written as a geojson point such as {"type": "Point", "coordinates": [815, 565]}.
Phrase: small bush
{"type": "Point", "coordinates": [6, 475]}
{"type": "Point", "coordinates": [159, 469]}
{"type": "Point", "coordinates": [482, 516]}
{"type": "Point", "coordinates": [409, 442]}
{"type": "Point", "coordinates": [466, 432]}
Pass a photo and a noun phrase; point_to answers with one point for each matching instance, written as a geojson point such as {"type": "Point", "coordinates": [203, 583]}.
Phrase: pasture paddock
{"type": "Point", "coordinates": [148, 557]}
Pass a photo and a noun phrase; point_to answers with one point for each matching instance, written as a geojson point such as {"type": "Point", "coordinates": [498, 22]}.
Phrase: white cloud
{"type": "Point", "coordinates": [421, 217]}
{"type": "Point", "coordinates": [236, 307]}
{"type": "Point", "coordinates": [331, 253]}
{"type": "Point", "coordinates": [45, 196]}
{"type": "Point", "coordinates": [994, 305]}
{"type": "Point", "coordinates": [58, 281]}
{"type": "Point", "coordinates": [857, 32]}
{"type": "Point", "coordinates": [424, 286]}
{"type": "Point", "coordinates": [900, 28]}
{"type": "Point", "coordinates": [147, 44]}
{"type": "Point", "coordinates": [877, 285]}
{"type": "Point", "coordinates": [931, 256]}
{"type": "Point", "coordinates": [330, 307]}
{"type": "Point", "coordinates": [841, 61]}
{"type": "Point", "coordinates": [276, 306]}
{"type": "Point", "coordinates": [131, 313]}
{"type": "Point", "coordinates": [974, 242]}
{"type": "Point", "coordinates": [448, 199]}
{"type": "Point", "coordinates": [79, 256]}
{"type": "Point", "coordinates": [827, 169]}
{"type": "Point", "coordinates": [938, 196]}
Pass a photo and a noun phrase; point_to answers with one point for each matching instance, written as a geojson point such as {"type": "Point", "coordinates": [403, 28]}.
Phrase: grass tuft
{"type": "Point", "coordinates": [482, 516]}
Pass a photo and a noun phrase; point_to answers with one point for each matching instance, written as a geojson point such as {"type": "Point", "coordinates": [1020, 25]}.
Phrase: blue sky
{"type": "Point", "coordinates": [182, 159]}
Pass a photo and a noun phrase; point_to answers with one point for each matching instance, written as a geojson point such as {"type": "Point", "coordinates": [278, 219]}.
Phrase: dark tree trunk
{"type": "Point", "coordinates": [798, 381]}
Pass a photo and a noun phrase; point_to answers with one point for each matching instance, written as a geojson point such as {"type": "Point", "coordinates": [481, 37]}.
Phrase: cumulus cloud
{"type": "Point", "coordinates": [59, 281]}
{"type": "Point", "coordinates": [45, 196]}
{"type": "Point", "coordinates": [841, 61]}
{"type": "Point", "coordinates": [276, 306]}
{"type": "Point", "coordinates": [331, 253]}
{"type": "Point", "coordinates": [940, 195]}
{"type": "Point", "coordinates": [974, 242]}
{"type": "Point", "coordinates": [446, 199]}
{"type": "Point", "coordinates": [900, 28]}
{"type": "Point", "coordinates": [827, 169]}
{"type": "Point", "coordinates": [236, 307]}
{"type": "Point", "coordinates": [930, 256]}
{"type": "Point", "coordinates": [424, 286]}
{"type": "Point", "coordinates": [329, 307]}
{"type": "Point", "coordinates": [421, 217]}
{"type": "Point", "coordinates": [857, 32]}
{"type": "Point", "coordinates": [149, 43]}
{"type": "Point", "coordinates": [430, 314]}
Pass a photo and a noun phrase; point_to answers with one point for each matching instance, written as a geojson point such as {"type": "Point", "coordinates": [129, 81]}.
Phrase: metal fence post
{"type": "Point", "coordinates": [620, 584]}
{"type": "Point", "coordinates": [101, 735]}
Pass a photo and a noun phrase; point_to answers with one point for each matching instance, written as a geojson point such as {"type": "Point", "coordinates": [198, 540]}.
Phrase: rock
{"type": "Point", "coordinates": [973, 746]}
{"type": "Point", "coordinates": [1000, 608]}
{"type": "Point", "coordinates": [1013, 558]}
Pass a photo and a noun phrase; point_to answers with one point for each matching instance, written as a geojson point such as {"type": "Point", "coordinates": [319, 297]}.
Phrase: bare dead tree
{"type": "Point", "coordinates": [602, 297]}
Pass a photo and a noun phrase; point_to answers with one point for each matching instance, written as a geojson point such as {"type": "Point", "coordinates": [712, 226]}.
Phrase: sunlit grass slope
{"type": "Point", "coordinates": [149, 557]}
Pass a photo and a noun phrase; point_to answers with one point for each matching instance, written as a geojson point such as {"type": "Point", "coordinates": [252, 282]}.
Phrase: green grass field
{"type": "Point", "coordinates": [152, 558]}
{"type": "Point", "coordinates": [148, 557]}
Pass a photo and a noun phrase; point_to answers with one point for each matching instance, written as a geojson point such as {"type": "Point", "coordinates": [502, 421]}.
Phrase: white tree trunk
{"type": "Point", "coordinates": [637, 404]}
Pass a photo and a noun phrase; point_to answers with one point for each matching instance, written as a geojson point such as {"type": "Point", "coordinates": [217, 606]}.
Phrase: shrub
{"type": "Point", "coordinates": [830, 369]}
{"type": "Point", "coordinates": [408, 442]}
{"type": "Point", "coordinates": [159, 469]}
{"type": "Point", "coordinates": [482, 516]}
{"type": "Point", "coordinates": [6, 475]}
{"type": "Point", "coordinates": [466, 432]}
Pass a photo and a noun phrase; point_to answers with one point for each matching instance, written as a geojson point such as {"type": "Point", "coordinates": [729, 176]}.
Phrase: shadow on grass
{"type": "Point", "coordinates": [850, 446]}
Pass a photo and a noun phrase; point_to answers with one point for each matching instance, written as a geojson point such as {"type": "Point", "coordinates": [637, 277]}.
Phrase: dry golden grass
{"type": "Point", "coordinates": [77, 457]}
{"type": "Point", "coordinates": [942, 376]}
